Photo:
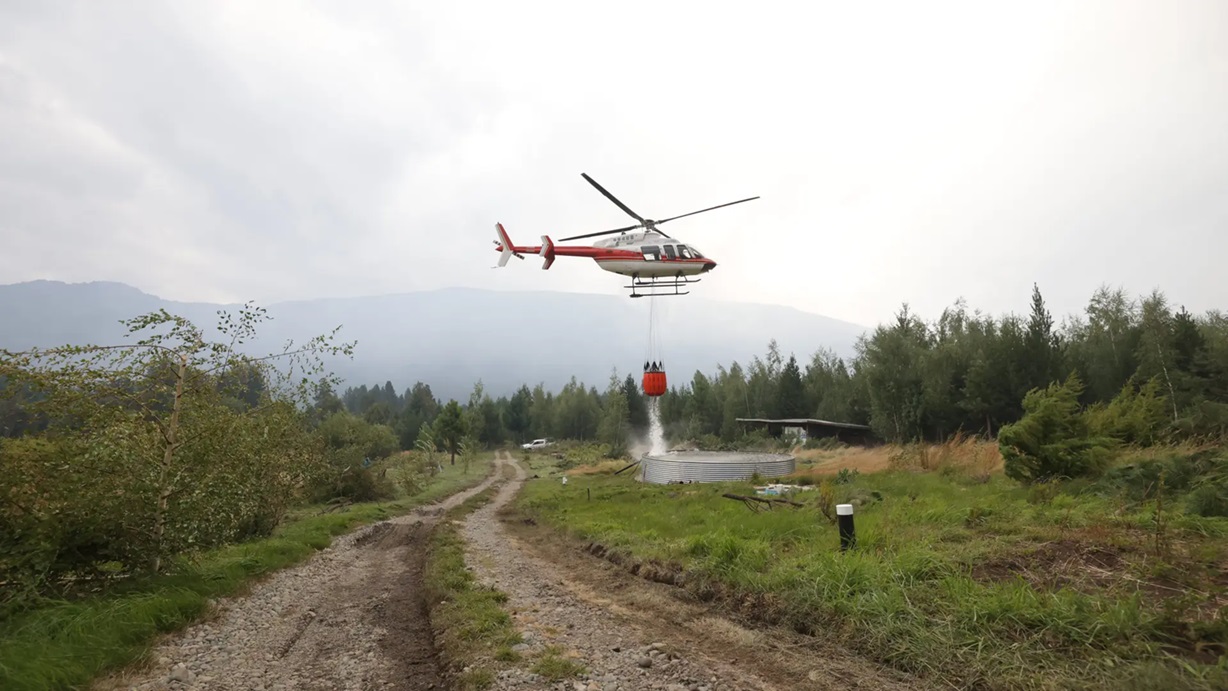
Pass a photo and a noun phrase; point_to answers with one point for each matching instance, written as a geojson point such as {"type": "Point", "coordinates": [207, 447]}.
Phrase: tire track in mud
{"type": "Point", "coordinates": [351, 617]}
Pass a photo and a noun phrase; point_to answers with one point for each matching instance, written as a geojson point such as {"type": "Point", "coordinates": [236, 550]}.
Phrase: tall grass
{"type": "Point", "coordinates": [959, 574]}
{"type": "Point", "coordinates": [961, 454]}
{"type": "Point", "coordinates": [65, 644]}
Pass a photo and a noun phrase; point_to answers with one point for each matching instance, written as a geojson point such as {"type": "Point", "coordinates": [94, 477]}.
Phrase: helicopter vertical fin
{"type": "Point", "coordinates": [547, 251]}
{"type": "Point", "coordinates": [505, 246]}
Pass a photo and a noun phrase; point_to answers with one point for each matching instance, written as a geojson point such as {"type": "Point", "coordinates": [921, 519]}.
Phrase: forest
{"type": "Point", "coordinates": [117, 457]}
{"type": "Point", "coordinates": [910, 380]}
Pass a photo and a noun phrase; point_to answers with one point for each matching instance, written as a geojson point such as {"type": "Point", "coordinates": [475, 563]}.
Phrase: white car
{"type": "Point", "coordinates": [536, 444]}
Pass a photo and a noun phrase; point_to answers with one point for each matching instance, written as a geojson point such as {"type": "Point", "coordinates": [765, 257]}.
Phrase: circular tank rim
{"type": "Point", "coordinates": [717, 457]}
{"type": "Point", "coordinates": [713, 466]}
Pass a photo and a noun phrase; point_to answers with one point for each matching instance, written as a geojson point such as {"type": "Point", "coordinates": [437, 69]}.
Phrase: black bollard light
{"type": "Point", "coordinates": [844, 520]}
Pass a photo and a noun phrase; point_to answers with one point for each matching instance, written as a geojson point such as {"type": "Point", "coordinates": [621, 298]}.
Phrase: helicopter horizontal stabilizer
{"type": "Point", "coordinates": [547, 251]}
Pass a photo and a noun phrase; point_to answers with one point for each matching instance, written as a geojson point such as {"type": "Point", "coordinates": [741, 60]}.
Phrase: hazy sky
{"type": "Point", "coordinates": [905, 151]}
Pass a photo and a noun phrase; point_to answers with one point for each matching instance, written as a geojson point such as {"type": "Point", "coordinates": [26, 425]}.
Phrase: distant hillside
{"type": "Point", "coordinates": [452, 337]}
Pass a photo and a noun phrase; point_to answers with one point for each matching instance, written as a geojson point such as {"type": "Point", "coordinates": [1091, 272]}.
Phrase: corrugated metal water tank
{"type": "Point", "coordinates": [713, 466]}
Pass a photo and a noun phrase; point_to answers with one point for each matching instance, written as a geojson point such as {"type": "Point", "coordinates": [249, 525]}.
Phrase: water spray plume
{"type": "Point", "coordinates": [656, 434]}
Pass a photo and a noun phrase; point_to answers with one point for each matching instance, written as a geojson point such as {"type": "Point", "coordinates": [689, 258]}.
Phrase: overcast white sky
{"type": "Point", "coordinates": [904, 151]}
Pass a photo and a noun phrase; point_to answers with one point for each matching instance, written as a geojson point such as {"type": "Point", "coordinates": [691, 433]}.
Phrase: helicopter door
{"type": "Point", "coordinates": [669, 251]}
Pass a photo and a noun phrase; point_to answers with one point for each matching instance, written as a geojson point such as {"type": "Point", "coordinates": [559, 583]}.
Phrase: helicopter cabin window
{"type": "Point", "coordinates": [651, 252]}
{"type": "Point", "coordinates": [695, 253]}
{"type": "Point", "coordinates": [669, 251]}
{"type": "Point", "coordinates": [684, 251]}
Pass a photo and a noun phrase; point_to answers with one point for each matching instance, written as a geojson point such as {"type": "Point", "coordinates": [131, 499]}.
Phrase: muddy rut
{"type": "Point", "coordinates": [352, 617]}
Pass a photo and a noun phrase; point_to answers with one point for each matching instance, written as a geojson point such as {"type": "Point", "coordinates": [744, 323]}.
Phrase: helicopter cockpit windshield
{"type": "Point", "coordinates": [654, 252]}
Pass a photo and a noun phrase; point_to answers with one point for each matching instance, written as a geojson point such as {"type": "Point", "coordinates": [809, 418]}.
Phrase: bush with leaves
{"type": "Point", "coordinates": [151, 448]}
{"type": "Point", "coordinates": [354, 448]}
{"type": "Point", "coordinates": [1052, 439]}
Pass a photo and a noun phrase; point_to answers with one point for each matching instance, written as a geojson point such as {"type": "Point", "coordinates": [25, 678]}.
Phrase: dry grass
{"type": "Point", "coordinates": [962, 454]}
{"type": "Point", "coordinates": [822, 463]}
{"type": "Point", "coordinates": [602, 468]}
{"type": "Point", "coordinates": [959, 454]}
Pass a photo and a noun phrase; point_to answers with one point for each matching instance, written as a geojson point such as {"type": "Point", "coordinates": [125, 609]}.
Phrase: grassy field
{"type": "Point", "coordinates": [64, 645]}
{"type": "Point", "coordinates": [959, 575]}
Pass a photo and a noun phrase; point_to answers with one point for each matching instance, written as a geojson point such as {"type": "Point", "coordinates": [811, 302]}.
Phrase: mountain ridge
{"type": "Point", "coordinates": [452, 337]}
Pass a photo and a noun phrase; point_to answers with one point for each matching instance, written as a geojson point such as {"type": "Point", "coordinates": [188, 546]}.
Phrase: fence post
{"type": "Point", "coordinates": [844, 519]}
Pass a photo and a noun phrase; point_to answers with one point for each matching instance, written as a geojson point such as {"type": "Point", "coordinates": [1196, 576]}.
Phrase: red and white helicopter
{"type": "Point", "coordinates": [654, 261]}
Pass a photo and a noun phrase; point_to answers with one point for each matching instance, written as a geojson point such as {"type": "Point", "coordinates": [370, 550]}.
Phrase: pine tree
{"type": "Point", "coordinates": [615, 419]}
{"type": "Point", "coordinates": [517, 418]}
{"type": "Point", "coordinates": [637, 406]}
{"type": "Point", "coordinates": [1042, 349]}
{"type": "Point", "coordinates": [790, 392]}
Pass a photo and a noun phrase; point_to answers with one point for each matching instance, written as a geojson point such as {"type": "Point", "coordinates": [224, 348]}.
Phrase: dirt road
{"type": "Point", "coordinates": [629, 633]}
{"type": "Point", "coordinates": [352, 617]}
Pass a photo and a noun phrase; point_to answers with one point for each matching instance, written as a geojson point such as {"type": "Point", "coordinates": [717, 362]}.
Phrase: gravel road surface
{"type": "Point", "coordinates": [352, 617]}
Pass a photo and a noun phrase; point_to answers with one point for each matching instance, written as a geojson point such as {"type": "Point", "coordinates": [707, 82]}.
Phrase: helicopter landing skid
{"type": "Point", "coordinates": [660, 287]}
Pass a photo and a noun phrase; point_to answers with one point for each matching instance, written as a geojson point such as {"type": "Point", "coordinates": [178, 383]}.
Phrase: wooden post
{"type": "Point", "coordinates": [844, 519]}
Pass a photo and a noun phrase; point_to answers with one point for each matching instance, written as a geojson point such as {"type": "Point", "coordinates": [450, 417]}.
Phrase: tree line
{"type": "Point", "coordinates": [910, 379]}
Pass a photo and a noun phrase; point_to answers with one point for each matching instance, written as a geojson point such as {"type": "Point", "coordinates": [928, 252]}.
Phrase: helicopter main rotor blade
{"type": "Point", "coordinates": [613, 199]}
{"type": "Point", "coordinates": [707, 209]}
{"type": "Point", "coordinates": [603, 232]}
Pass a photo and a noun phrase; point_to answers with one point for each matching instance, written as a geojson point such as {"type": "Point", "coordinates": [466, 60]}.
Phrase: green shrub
{"type": "Point", "coordinates": [847, 476]}
{"type": "Point", "coordinates": [83, 503]}
{"type": "Point", "coordinates": [1135, 416]}
{"type": "Point", "coordinates": [1206, 419]}
{"type": "Point", "coordinates": [1052, 440]}
{"type": "Point", "coordinates": [1202, 471]}
{"type": "Point", "coordinates": [354, 449]}
{"type": "Point", "coordinates": [1209, 500]}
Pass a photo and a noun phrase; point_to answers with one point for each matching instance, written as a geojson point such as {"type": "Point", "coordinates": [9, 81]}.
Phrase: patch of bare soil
{"type": "Point", "coordinates": [548, 575]}
{"type": "Point", "coordinates": [351, 617]}
{"type": "Point", "coordinates": [1058, 564]}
